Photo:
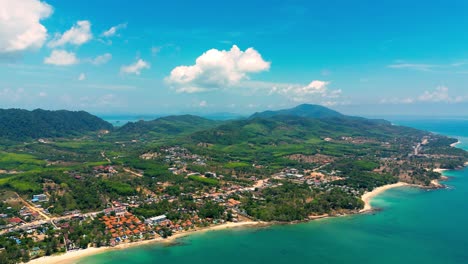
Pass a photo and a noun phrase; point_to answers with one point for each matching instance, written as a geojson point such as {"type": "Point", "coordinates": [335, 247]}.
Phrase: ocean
{"type": "Point", "coordinates": [411, 226]}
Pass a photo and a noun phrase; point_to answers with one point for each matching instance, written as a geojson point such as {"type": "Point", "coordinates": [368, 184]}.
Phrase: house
{"type": "Point", "coordinates": [209, 174]}
{"type": "Point", "coordinates": [39, 198]}
{"type": "Point", "coordinates": [155, 220]}
{"type": "Point", "coordinates": [233, 203]}
{"type": "Point", "coordinates": [15, 220]}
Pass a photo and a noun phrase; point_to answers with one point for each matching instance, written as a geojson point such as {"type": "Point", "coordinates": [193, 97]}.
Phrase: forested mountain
{"type": "Point", "coordinates": [18, 124]}
{"type": "Point", "coordinates": [297, 127]}
{"type": "Point", "coordinates": [304, 110]}
{"type": "Point", "coordinates": [169, 125]}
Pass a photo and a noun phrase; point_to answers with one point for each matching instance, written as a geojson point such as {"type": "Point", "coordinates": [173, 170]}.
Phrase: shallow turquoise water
{"type": "Point", "coordinates": [413, 226]}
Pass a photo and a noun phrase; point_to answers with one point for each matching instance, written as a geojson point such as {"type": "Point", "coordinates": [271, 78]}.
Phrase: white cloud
{"type": "Point", "coordinates": [413, 66]}
{"type": "Point", "coordinates": [113, 30]}
{"type": "Point", "coordinates": [438, 95]}
{"type": "Point", "coordinates": [42, 94]}
{"type": "Point", "coordinates": [303, 93]}
{"type": "Point", "coordinates": [61, 58]}
{"type": "Point", "coordinates": [427, 67]}
{"type": "Point", "coordinates": [217, 69]}
{"type": "Point", "coordinates": [112, 87]}
{"type": "Point", "coordinates": [396, 100]}
{"type": "Point", "coordinates": [20, 24]}
{"type": "Point", "coordinates": [82, 77]}
{"type": "Point", "coordinates": [12, 95]}
{"type": "Point", "coordinates": [155, 50]}
{"type": "Point", "coordinates": [102, 59]}
{"type": "Point", "coordinates": [90, 101]}
{"type": "Point", "coordinates": [136, 67]}
{"type": "Point", "coordinates": [78, 34]}
{"type": "Point", "coordinates": [203, 104]}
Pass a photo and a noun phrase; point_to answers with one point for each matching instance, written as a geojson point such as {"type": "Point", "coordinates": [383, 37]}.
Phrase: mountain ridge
{"type": "Point", "coordinates": [19, 124]}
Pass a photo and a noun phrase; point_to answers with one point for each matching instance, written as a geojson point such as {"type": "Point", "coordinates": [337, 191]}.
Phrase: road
{"type": "Point", "coordinates": [32, 207]}
{"type": "Point", "coordinates": [132, 172]}
{"type": "Point", "coordinates": [51, 220]}
{"type": "Point", "coordinates": [103, 154]}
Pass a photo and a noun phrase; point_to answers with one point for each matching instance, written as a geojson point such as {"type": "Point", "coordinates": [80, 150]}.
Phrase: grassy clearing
{"type": "Point", "coordinates": [20, 162]}
{"type": "Point", "coordinates": [204, 180]}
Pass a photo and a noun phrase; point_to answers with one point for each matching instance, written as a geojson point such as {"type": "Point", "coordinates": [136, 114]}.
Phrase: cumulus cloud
{"type": "Point", "coordinates": [217, 69]}
{"type": "Point", "coordinates": [113, 30]}
{"type": "Point", "coordinates": [20, 24]}
{"type": "Point", "coordinates": [82, 77]}
{"type": "Point", "coordinates": [61, 58]}
{"type": "Point", "coordinates": [78, 34]}
{"type": "Point", "coordinates": [102, 59]}
{"type": "Point", "coordinates": [136, 67]}
{"type": "Point", "coordinates": [440, 94]}
{"type": "Point", "coordinates": [302, 93]}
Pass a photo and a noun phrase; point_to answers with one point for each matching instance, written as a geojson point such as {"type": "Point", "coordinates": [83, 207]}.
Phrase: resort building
{"type": "Point", "coordinates": [155, 220]}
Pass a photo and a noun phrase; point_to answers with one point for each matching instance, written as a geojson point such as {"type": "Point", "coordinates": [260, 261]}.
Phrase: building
{"type": "Point", "coordinates": [39, 198]}
{"type": "Point", "coordinates": [120, 211]}
{"type": "Point", "coordinates": [156, 220]}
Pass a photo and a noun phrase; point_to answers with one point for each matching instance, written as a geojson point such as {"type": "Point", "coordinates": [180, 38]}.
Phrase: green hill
{"type": "Point", "coordinates": [17, 124]}
{"type": "Point", "coordinates": [304, 110]}
{"type": "Point", "coordinates": [169, 126]}
{"type": "Point", "coordinates": [293, 128]}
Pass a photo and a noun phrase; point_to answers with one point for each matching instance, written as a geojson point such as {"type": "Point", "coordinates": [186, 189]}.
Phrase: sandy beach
{"type": "Point", "coordinates": [455, 144]}
{"type": "Point", "coordinates": [72, 257]}
{"type": "Point", "coordinates": [439, 170]}
{"type": "Point", "coordinates": [367, 197]}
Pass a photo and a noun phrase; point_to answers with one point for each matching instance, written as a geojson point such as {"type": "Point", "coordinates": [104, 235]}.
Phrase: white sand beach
{"type": "Point", "coordinates": [72, 257]}
{"type": "Point", "coordinates": [367, 197]}
{"type": "Point", "coordinates": [455, 144]}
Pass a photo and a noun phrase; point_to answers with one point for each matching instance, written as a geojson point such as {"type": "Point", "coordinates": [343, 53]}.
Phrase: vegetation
{"type": "Point", "coordinates": [288, 165]}
{"type": "Point", "coordinates": [16, 124]}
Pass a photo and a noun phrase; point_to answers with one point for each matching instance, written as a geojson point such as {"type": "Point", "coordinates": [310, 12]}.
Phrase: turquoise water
{"type": "Point", "coordinates": [413, 226]}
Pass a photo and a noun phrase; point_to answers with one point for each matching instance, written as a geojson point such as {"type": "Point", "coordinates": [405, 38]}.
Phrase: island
{"type": "Point", "coordinates": [71, 181]}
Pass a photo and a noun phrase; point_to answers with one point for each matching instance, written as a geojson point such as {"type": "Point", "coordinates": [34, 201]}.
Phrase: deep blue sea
{"type": "Point", "coordinates": [413, 226]}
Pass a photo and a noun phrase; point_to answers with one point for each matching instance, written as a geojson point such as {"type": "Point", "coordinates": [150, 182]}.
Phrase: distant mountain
{"type": "Point", "coordinates": [299, 125]}
{"type": "Point", "coordinates": [223, 116]}
{"type": "Point", "coordinates": [169, 125]}
{"type": "Point", "coordinates": [17, 124]}
{"type": "Point", "coordinates": [304, 110]}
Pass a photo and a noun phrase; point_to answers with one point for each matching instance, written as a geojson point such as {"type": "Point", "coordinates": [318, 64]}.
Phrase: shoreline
{"type": "Point", "coordinates": [455, 144]}
{"type": "Point", "coordinates": [75, 256]}
{"type": "Point", "coordinates": [439, 170]}
{"type": "Point", "coordinates": [368, 196]}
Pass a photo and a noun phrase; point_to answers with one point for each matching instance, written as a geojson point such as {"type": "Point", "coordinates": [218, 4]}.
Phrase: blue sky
{"type": "Point", "coordinates": [360, 57]}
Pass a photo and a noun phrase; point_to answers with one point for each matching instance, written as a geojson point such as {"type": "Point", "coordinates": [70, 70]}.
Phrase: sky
{"type": "Point", "coordinates": [154, 57]}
